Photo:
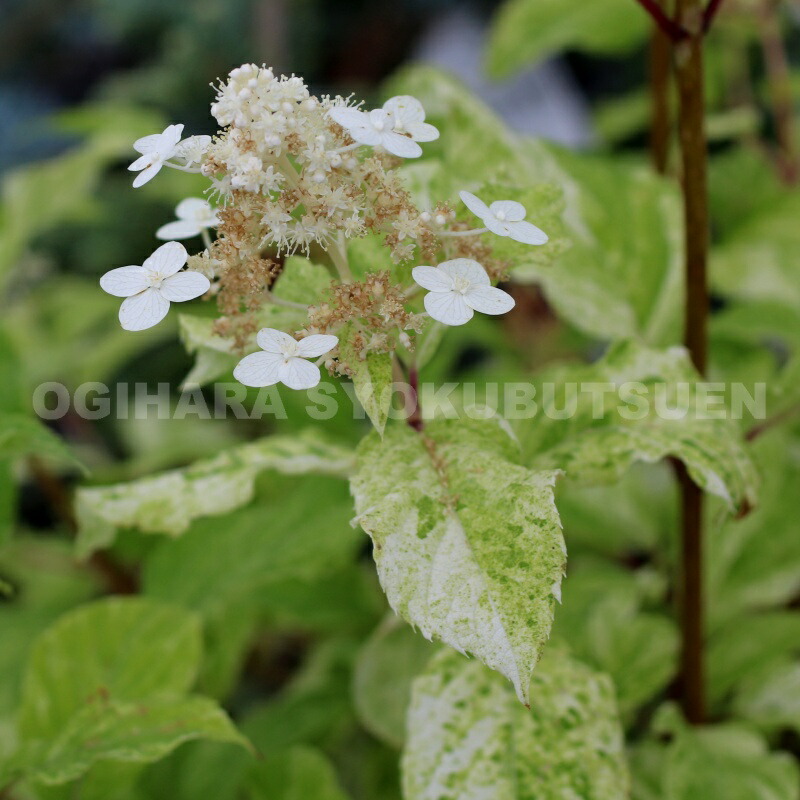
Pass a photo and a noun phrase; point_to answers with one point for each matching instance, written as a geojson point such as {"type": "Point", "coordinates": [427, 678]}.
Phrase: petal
{"type": "Point", "coordinates": [422, 132]}
{"type": "Point", "coordinates": [448, 308]}
{"type": "Point", "coordinates": [357, 125]}
{"type": "Point", "coordinates": [297, 373]}
{"type": "Point", "coordinates": [171, 136]}
{"type": "Point", "coordinates": [167, 259]}
{"type": "Point", "coordinates": [258, 369]}
{"type": "Point", "coordinates": [192, 208]}
{"type": "Point", "coordinates": [406, 109]}
{"type": "Point", "coordinates": [476, 206]}
{"type": "Point", "coordinates": [185, 286]}
{"type": "Point", "coordinates": [466, 268]}
{"type": "Point", "coordinates": [527, 233]}
{"type": "Point", "coordinates": [124, 281]}
{"type": "Point", "coordinates": [497, 226]}
{"type": "Point", "coordinates": [140, 163]}
{"type": "Point", "coordinates": [432, 278]}
{"type": "Point", "coordinates": [512, 211]}
{"type": "Point", "coordinates": [316, 345]}
{"type": "Point", "coordinates": [381, 119]}
{"type": "Point", "coordinates": [400, 145]}
{"type": "Point", "coordinates": [143, 310]}
{"type": "Point", "coordinates": [146, 144]}
{"type": "Point", "coordinates": [193, 146]}
{"type": "Point", "coordinates": [274, 341]}
{"type": "Point", "coordinates": [181, 229]}
{"type": "Point", "coordinates": [146, 174]}
{"type": "Point", "coordinates": [489, 300]}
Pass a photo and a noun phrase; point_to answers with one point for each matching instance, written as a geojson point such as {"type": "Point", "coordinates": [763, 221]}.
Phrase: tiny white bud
{"type": "Point", "coordinates": [351, 163]}
{"type": "Point", "coordinates": [336, 160]}
{"type": "Point", "coordinates": [244, 94]}
{"type": "Point", "coordinates": [425, 216]}
{"type": "Point", "coordinates": [318, 176]}
{"type": "Point", "coordinates": [311, 103]}
{"type": "Point", "coordinates": [287, 107]}
{"type": "Point", "coordinates": [441, 219]}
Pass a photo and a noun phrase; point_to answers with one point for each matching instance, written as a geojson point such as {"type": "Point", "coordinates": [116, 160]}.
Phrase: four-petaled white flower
{"type": "Point", "coordinates": [150, 289]}
{"type": "Point", "coordinates": [505, 218]}
{"type": "Point", "coordinates": [377, 129]}
{"type": "Point", "coordinates": [283, 360]}
{"type": "Point", "coordinates": [409, 117]}
{"type": "Point", "coordinates": [192, 149]}
{"type": "Point", "coordinates": [155, 150]}
{"type": "Point", "coordinates": [194, 215]}
{"type": "Point", "coordinates": [459, 288]}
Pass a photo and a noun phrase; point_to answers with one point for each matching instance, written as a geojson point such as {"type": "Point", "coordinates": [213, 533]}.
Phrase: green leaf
{"type": "Point", "coordinates": [137, 732]}
{"type": "Point", "coordinates": [21, 435]}
{"type": "Point", "coordinates": [469, 739]}
{"type": "Point", "coordinates": [302, 281]}
{"type": "Point", "coordinates": [527, 31]}
{"type": "Point", "coordinates": [167, 503]}
{"type": "Point", "coordinates": [386, 667]}
{"type": "Point", "coordinates": [301, 530]}
{"type": "Point", "coordinates": [730, 762]}
{"type": "Point", "coordinates": [371, 375]}
{"type": "Point", "coordinates": [108, 681]}
{"type": "Point", "coordinates": [467, 543]}
{"type": "Point", "coordinates": [770, 696]}
{"type": "Point", "coordinates": [299, 773]}
{"type": "Point", "coordinates": [596, 449]}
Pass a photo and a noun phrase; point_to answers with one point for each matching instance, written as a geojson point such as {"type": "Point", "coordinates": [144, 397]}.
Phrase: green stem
{"type": "Point", "coordinates": [338, 254]}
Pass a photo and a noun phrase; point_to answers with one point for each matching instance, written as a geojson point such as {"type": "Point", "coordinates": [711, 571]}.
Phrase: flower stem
{"type": "Point", "coordinates": [694, 156]}
{"type": "Point", "coordinates": [661, 123]}
{"type": "Point", "coordinates": [206, 238]}
{"type": "Point", "coordinates": [279, 301]}
{"type": "Point", "coordinates": [338, 254]}
{"type": "Point", "coordinates": [182, 168]}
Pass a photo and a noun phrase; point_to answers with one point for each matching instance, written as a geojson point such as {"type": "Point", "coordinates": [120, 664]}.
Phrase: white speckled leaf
{"type": "Point", "coordinates": [167, 503]}
{"type": "Point", "coordinates": [468, 739]}
{"type": "Point", "coordinates": [467, 543]}
{"type": "Point", "coordinates": [597, 451]}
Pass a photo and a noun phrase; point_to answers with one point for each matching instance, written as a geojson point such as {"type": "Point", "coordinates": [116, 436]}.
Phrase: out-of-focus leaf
{"type": "Point", "coordinates": [597, 448]}
{"type": "Point", "coordinates": [299, 772]}
{"type": "Point", "coordinates": [468, 737]}
{"type": "Point", "coordinates": [467, 543]}
{"type": "Point", "coordinates": [527, 31]}
{"type": "Point", "coordinates": [386, 667]}
{"type": "Point", "coordinates": [108, 682]}
{"type": "Point", "coordinates": [167, 503]}
{"type": "Point", "coordinates": [770, 696]}
{"type": "Point", "coordinates": [21, 435]}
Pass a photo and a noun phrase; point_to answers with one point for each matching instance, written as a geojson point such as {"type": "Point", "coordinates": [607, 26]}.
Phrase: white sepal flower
{"type": "Point", "coordinates": [155, 150]}
{"type": "Point", "coordinates": [192, 149]}
{"type": "Point", "coordinates": [150, 289]}
{"type": "Point", "coordinates": [283, 360]}
{"type": "Point", "coordinates": [194, 215]}
{"type": "Point", "coordinates": [505, 218]}
{"type": "Point", "coordinates": [409, 117]}
{"type": "Point", "coordinates": [375, 128]}
{"type": "Point", "coordinates": [459, 288]}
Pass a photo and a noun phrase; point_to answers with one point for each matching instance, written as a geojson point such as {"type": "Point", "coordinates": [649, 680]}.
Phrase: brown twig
{"type": "Point", "coordinates": [661, 124]}
{"type": "Point", "coordinates": [779, 82]}
{"type": "Point", "coordinates": [710, 13]}
{"type": "Point", "coordinates": [771, 422]}
{"type": "Point", "coordinates": [694, 156]}
{"type": "Point", "coordinates": [673, 30]}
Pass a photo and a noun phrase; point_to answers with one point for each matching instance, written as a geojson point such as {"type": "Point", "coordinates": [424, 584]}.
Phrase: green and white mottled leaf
{"type": "Point", "coordinates": [469, 739]}
{"type": "Point", "coordinates": [109, 681]}
{"type": "Point", "coordinates": [386, 666]}
{"type": "Point", "coordinates": [770, 696]}
{"type": "Point", "coordinates": [167, 503]}
{"type": "Point", "coordinates": [467, 543]}
{"type": "Point", "coordinates": [299, 773]}
{"type": "Point", "coordinates": [596, 449]}
{"type": "Point", "coordinates": [371, 376]}
{"type": "Point", "coordinates": [527, 31]}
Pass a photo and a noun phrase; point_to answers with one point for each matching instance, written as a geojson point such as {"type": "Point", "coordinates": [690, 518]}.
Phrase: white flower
{"type": "Point", "coordinates": [193, 149]}
{"type": "Point", "coordinates": [375, 128]}
{"type": "Point", "coordinates": [459, 288]}
{"type": "Point", "coordinates": [283, 359]}
{"type": "Point", "coordinates": [150, 289]}
{"type": "Point", "coordinates": [505, 218]}
{"type": "Point", "coordinates": [155, 149]}
{"type": "Point", "coordinates": [409, 117]}
{"type": "Point", "coordinates": [194, 215]}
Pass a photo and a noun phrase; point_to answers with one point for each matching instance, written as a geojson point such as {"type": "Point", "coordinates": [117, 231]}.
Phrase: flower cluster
{"type": "Point", "coordinates": [292, 172]}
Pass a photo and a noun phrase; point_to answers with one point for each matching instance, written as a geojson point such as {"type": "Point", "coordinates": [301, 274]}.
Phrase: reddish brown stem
{"type": "Point", "coordinates": [711, 11]}
{"type": "Point", "coordinates": [779, 82]}
{"type": "Point", "coordinates": [415, 419]}
{"type": "Point", "coordinates": [674, 31]}
{"type": "Point", "coordinates": [661, 124]}
{"type": "Point", "coordinates": [689, 75]}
